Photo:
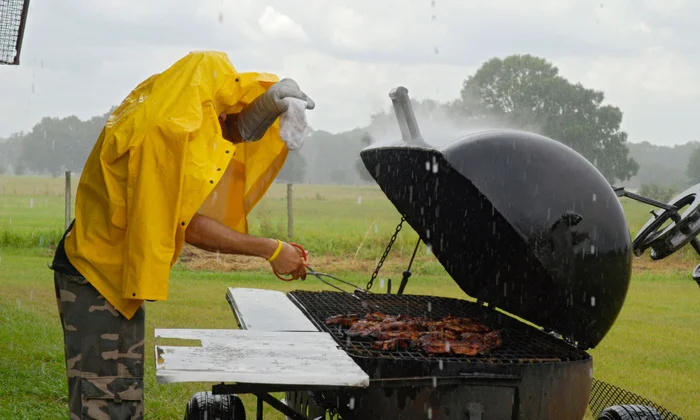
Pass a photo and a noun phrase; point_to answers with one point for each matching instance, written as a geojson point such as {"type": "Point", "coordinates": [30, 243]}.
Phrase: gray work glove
{"type": "Point", "coordinates": [255, 119]}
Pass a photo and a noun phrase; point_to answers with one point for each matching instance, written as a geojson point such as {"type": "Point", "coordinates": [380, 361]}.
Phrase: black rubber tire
{"type": "Point", "coordinates": [205, 405]}
{"type": "Point", "coordinates": [630, 412]}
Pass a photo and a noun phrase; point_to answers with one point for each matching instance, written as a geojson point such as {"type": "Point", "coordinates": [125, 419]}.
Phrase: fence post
{"type": "Point", "coordinates": [290, 213]}
{"type": "Point", "coordinates": [68, 199]}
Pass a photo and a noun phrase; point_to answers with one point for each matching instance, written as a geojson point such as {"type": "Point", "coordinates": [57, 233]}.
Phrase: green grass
{"type": "Point", "coordinates": [653, 349]}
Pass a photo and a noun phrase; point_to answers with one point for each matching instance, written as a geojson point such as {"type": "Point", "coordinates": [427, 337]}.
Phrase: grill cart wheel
{"type": "Point", "coordinates": [205, 405]}
{"type": "Point", "coordinates": [630, 412]}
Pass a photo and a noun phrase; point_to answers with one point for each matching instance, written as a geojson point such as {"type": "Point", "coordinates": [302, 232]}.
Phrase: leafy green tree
{"type": "Point", "coordinates": [658, 192]}
{"type": "Point", "coordinates": [19, 168]}
{"type": "Point", "coordinates": [294, 168]}
{"type": "Point", "coordinates": [693, 168]}
{"type": "Point", "coordinates": [527, 92]}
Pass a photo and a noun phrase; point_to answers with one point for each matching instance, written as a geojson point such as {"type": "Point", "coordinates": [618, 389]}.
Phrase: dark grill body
{"type": "Point", "coordinates": [532, 375]}
{"type": "Point", "coordinates": [519, 221]}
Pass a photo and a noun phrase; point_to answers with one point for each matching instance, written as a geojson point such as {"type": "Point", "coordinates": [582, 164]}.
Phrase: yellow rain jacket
{"type": "Point", "coordinates": [160, 159]}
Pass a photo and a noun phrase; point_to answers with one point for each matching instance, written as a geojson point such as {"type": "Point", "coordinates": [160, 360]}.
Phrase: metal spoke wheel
{"type": "Point", "coordinates": [683, 229]}
{"type": "Point", "coordinates": [629, 412]}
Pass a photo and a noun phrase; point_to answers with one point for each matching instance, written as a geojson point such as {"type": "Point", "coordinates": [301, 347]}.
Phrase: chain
{"type": "Point", "coordinates": [386, 252]}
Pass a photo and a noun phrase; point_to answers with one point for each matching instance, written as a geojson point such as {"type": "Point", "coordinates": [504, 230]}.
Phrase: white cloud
{"type": "Point", "coordinates": [280, 27]}
{"type": "Point", "coordinates": [348, 54]}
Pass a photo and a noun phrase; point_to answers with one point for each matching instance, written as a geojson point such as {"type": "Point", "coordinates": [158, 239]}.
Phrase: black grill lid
{"type": "Point", "coordinates": [519, 221]}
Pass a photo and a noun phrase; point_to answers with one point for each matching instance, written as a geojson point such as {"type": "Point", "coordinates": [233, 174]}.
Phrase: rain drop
{"type": "Point", "coordinates": [347, 341]}
{"type": "Point", "coordinates": [430, 307]}
{"type": "Point", "coordinates": [376, 228]}
{"type": "Point", "coordinates": [594, 197]}
{"type": "Point", "coordinates": [593, 249]}
{"type": "Point", "coordinates": [428, 249]}
{"type": "Point", "coordinates": [447, 346]}
{"type": "Point", "coordinates": [592, 300]}
{"type": "Point", "coordinates": [41, 240]}
{"type": "Point", "coordinates": [351, 403]}
{"type": "Point", "coordinates": [43, 367]}
{"type": "Point", "coordinates": [359, 199]}
{"type": "Point", "coordinates": [434, 381]}
{"type": "Point", "coordinates": [215, 74]}
{"type": "Point", "coordinates": [218, 257]}
{"type": "Point", "coordinates": [214, 146]}
{"type": "Point", "coordinates": [440, 365]}
{"type": "Point", "coordinates": [214, 197]}
{"type": "Point", "coordinates": [31, 203]}
{"type": "Point", "coordinates": [430, 412]}
{"type": "Point", "coordinates": [381, 283]}
{"type": "Point", "coordinates": [427, 165]}
{"type": "Point", "coordinates": [427, 233]}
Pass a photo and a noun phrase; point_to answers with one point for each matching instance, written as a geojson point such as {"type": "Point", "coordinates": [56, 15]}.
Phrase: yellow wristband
{"type": "Point", "coordinates": [277, 251]}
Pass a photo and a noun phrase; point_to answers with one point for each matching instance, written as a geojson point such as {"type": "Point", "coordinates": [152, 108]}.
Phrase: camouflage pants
{"type": "Point", "coordinates": [104, 353]}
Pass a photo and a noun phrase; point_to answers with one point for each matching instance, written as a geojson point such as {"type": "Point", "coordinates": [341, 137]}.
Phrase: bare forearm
{"type": "Point", "coordinates": [210, 235]}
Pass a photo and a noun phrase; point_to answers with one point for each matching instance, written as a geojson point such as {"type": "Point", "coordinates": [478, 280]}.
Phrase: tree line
{"type": "Point", "coordinates": [518, 91]}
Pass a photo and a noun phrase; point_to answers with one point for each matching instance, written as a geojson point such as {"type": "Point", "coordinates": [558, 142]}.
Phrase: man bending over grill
{"type": "Point", "coordinates": [183, 159]}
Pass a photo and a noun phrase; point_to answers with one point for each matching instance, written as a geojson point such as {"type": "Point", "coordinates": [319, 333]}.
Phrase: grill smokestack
{"type": "Point", "coordinates": [410, 133]}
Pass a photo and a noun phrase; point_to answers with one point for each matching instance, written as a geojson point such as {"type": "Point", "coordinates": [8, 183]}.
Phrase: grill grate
{"type": "Point", "coordinates": [604, 395]}
{"type": "Point", "coordinates": [12, 17]}
{"type": "Point", "coordinates": [522, 344]}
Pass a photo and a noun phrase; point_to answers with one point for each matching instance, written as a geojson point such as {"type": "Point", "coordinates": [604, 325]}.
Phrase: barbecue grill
{"type": "Point", "coordinates": [548, 263]}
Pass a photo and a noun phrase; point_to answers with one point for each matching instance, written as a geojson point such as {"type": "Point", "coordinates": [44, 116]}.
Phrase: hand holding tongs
{"type": "Point", "coordinates": [319, 275]}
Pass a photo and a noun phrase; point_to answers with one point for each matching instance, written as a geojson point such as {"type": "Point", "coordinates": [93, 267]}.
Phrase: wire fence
{"type": "Point", "coordinates": [605, 395]}
{"type": "Point", "coordinates": [13, 15]}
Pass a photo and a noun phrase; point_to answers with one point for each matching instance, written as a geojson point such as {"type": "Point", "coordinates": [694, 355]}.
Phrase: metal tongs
{"type": "Point", "coordinates": [320, 276]}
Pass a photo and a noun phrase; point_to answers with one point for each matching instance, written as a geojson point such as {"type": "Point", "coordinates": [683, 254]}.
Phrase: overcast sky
{"type": "Point", "coordinates": [82, 56]}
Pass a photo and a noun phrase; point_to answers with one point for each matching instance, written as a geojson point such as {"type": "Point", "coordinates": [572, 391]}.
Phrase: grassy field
{"type": "Point", "coordinates": [652, 349]}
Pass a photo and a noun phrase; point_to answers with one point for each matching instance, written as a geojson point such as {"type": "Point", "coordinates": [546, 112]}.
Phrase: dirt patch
{"type": "Point", "coordinates": [195, 259]}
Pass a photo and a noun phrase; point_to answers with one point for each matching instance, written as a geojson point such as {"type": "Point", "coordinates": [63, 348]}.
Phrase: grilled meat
{"type": "Point", "coordinates": [450, 335]}
{"type": "Point", "coordinates": [345, 320]}
{"type": "Point", "coordinates": [399, 343]}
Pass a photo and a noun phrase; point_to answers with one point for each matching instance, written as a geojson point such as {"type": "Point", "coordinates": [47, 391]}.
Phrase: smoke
{"type": "Point", "coordinates": [440, 125]}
